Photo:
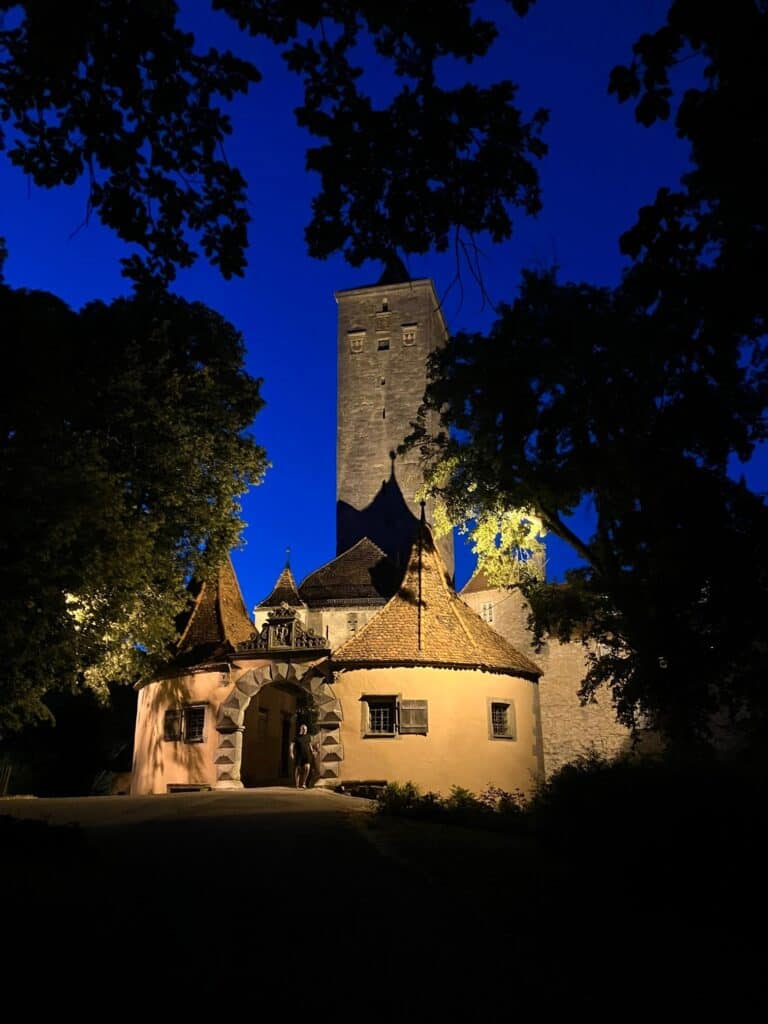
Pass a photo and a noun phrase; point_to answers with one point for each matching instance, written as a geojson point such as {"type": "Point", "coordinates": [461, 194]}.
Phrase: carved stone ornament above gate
{"type": "Point", "coordinates": [283, 632]}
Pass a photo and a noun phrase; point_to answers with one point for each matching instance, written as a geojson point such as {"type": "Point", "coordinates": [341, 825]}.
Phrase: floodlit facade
{"type": "Point", "coordinates": [398, 677]}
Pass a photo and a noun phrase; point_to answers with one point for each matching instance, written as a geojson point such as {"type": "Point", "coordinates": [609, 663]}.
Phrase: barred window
{"type": "Point", "coordinates": [501, 720]}
{"type": "Point", "coordinates": [388, 716]}
{"type": "Point", "coordinates": [487, 611]}
{"type": "Point", "coordinates": [185, 724]}
{"type": "Point", "coordinates": [194, 723]}
{"type": "Point", "coordinates": [381, 717]}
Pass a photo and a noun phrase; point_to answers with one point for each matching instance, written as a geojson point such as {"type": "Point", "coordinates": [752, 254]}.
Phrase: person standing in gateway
{"type": "Point", "coordinates": [302, 752]}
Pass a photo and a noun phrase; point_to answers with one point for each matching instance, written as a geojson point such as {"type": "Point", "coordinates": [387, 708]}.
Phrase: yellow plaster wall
{"type": "Point", "coordinates": [457, 749]}
{"type": "Point", "coordinates": [570, 729]}
{"type": "Point", "coordinates": [158, 763]}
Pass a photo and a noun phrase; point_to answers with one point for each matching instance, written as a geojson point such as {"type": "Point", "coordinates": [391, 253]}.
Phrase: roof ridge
{"type": "Point", "coordinates": [346, 551]}
{"type": "Point", "coordinates": [452, 604]}
{"type": "Point", "coordinates": [391, 636]}
{"type": "Point", "coordinates": [190, 617]}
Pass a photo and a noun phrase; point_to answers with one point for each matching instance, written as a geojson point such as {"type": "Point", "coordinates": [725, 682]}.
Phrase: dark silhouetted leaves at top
{"type": "Point", "coordinates": [120, 94]}
{"type": "Point", "coordinates": [117, 92]}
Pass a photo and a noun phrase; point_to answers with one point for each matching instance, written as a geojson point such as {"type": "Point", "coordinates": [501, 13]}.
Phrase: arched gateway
{"type": "Point", "coordinates": [313, 679]}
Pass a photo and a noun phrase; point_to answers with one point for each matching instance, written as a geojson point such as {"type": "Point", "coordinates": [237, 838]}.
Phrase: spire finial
{"type": "Point", "coordinates": [287, 558]}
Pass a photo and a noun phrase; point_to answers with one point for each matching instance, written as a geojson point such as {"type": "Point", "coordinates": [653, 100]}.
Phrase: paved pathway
{"type": "Point", "coordinates": [226, 900]}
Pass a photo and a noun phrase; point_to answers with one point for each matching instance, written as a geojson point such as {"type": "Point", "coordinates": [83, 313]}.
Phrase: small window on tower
{"type": "Point", "coordinates": [185, 724]}
{"type": "Point", "coordinates": [501, 720]}
{"type": "Point", "coordinates": [487, 611]}
{"type": "Point", "coordinates": [379, 716]}
{"type": "Point", "coordinates": [352, 623]}
{"type": "Point", "coordinates": [383, 344]}
{"type": "Point", "coordinates": [385, 306]}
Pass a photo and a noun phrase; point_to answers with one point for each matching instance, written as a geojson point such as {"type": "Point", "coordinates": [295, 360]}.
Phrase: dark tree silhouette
{"type": "Point", "coordinates": [122, 455]}
{"type": "Point", "coordinates": [643, 399]}
{"type": "Point", "coordinates": [121, 94]}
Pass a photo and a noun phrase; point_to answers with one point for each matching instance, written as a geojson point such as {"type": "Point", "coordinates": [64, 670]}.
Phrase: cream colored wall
{"type": "Point", "coordinates": [569, 728]}
{"type": "Point", "coordinates": [457, 749]}
{"type": "Point", "coordinates": [333, 623]}
{"type": "Point", "coordinates": [158, 763]}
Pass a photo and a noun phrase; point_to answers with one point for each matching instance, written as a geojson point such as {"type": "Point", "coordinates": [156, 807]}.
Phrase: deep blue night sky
{"type": "Point", "coordinates": [601, 168]}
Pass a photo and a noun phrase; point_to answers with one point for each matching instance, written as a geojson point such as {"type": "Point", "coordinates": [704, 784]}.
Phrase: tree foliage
{"type": "Point", "coordinates": [119, 93]}
{"type": "Point", "coordinates": [122, 454]}
{"type": "Point", "coordinates": [642, 400]}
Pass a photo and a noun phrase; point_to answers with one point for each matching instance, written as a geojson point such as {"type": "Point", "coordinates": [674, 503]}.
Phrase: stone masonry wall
{"type": "Point", "coordinates": [385, 334]}
{"type": "Point", "coordinates": [569, 729]}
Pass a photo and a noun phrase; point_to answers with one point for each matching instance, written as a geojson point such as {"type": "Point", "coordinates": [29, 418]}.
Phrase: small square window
{"type": "Point", "coordinates": [185, 724]}
{"type": "Point", "coordinates": [501, 720]}
{"type": "Point", "coordinates": [383, 344]}
{"type": "Point", "coordinates": [379, 716]}
{"type": "Point", "coordinates": [388, 716]}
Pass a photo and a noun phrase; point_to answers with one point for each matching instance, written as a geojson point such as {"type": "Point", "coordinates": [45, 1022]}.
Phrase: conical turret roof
{"type": "Point", "coordinates": [218, 619]}
{"type": "Point", "coordinates": [283, 592]}
{"type": "Point", "coordinates": [426, 623]}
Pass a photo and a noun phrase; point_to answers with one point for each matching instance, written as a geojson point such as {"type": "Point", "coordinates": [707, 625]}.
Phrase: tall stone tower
{"type": "Point", "coordinates": [386, 332]}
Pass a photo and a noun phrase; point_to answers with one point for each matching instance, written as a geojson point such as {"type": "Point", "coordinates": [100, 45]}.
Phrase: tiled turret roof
{"type": "Point", "coordinates": [218, 620]}
{"type": "Point", "coordinates": [360, 575]}
{"type": "Point", "coordinates": [283, 592]}
{"type": "Point", "coordinates": [426, 623]}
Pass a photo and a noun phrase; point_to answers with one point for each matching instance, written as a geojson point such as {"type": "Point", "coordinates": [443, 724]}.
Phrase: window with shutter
{"type": "Point", "coordinates": [379, 716]}
{"type": "Point", "coordinates": [414, 717]}
{"type": "Point", "coordinates": [185, 724]}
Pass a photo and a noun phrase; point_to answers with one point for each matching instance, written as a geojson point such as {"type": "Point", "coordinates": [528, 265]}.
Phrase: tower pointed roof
{"type": "Point", "coordinates": [426, 623]}
{"type": "Point", "coordinates": [218, 619]}
{"type": "Point", "coordinates": [283, 592]}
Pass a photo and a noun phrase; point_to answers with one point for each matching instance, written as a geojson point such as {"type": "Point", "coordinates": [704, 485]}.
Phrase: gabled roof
{"type": "Point", "coordinates": [478, 581]}
{"type": "Point", "coordinates": [426, 623]}
{"type": "Point", "coordinates": [218, 619]}
{"type": "Point", "coordinates": [362, 574]}
{"type": "Point", "coordinates": [283, 592]}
